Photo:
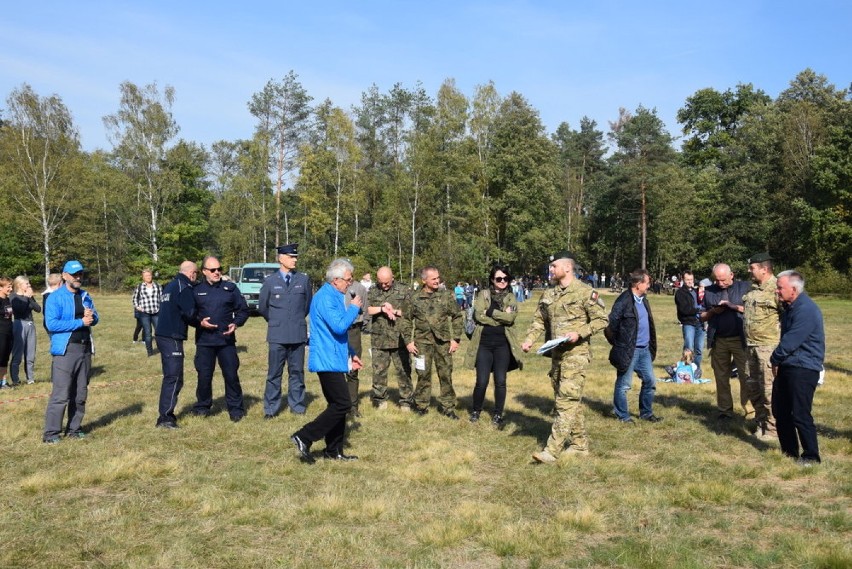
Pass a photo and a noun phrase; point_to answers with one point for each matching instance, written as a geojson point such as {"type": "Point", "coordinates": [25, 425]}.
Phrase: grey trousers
{"type": "Point", "coordinates": [70, 389]}
{"type": "Point", "coordinates": [23, 349]}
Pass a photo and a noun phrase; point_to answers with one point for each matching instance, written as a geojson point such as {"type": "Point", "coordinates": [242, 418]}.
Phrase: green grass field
{"type": "Point", "coordinates": [427, 492]}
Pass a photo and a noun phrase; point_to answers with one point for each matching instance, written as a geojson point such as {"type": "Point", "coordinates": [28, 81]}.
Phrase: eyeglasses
{"type": "Point", "coordinates": [76, 276]}
{"type": "Point", "coordinates": [213, 269]}
{"type": "Point", "coordinates": [501, 279]}
{"type": "Point", "coordinates": [348, 281]}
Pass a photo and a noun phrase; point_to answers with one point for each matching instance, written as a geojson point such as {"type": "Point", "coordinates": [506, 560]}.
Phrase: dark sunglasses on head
{"type": "Point", "coordinates": [501, 279]}
{"type": "Point", "coordinates": [213, 269]}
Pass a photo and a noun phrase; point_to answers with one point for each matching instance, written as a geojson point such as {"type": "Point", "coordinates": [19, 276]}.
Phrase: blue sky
{"type": "Point", "coordinates": [569, 59]}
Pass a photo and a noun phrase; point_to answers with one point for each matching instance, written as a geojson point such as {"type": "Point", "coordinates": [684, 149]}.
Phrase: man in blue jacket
{"type": "Point", "coordinates": [284, 302]}
{"type": "Point", "coordinates": [177, 311]}
{"type": "Point", "coordinates": [796, 366]}
{"type": "Point", "coordinates": [70, 313]}
{"type": "Point", "coordinates": [329, 357]}
{"type": "Point", "coordinates": [219, 310]}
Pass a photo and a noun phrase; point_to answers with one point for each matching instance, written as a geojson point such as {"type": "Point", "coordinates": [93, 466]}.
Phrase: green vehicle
{"type": "Point", "coordinates": [249, 279]}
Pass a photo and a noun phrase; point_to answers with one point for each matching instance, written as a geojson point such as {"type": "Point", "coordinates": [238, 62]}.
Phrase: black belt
{"type": "Point", "coordinates": [356, 325]}
{"type": "Point", "coordinates": [81, 342]}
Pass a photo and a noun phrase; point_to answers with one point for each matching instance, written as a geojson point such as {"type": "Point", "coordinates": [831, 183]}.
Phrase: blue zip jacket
{"type": "Point", "coordinates": [59, 318]}
{"type": "Point", "coordinates": [802, 336]}
{"type": "Point", "coordinates": [330, 322]}
{"type": "Point", "coordinates": [177, 308]}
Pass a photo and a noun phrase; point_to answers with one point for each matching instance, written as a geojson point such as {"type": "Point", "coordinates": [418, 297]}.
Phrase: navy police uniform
{"type": "Point", "coordinates": [177, 311]}
{"type": "Point", "coordinates": [224, 305]}
{"type": "Point", "coordinates": [285, 300]}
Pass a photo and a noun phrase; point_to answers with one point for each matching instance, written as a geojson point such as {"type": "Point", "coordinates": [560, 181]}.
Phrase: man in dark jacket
{"type": "Point", "coordinates": [723, 312]}
{"type": "Point", "coordinates": [688, 310]}
{"type": "Point", "coordinates": [796, 365]}
{"type": "Point", "coordinates": [285, 301]}
{"type": "Point", "coordinates": [177, 309]}
{"type": "Point", "coordinates": [220, 309]}
{"type": "Point", "coordinates": [634, 346]}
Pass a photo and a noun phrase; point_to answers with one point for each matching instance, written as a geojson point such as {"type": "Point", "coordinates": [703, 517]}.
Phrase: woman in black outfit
{"type": "Point", "coordinates": [6, 337]}
{"type": "Point", "coordinates": [493, 347]}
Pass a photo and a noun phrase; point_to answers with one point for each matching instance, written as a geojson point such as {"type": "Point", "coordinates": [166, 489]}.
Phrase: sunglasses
{"type": "Point", "coordinates": [77, 276]}
{"type": "Point", "coordinates": [213, 269]}
{"type": "Point", "coordinates": [501, 279]}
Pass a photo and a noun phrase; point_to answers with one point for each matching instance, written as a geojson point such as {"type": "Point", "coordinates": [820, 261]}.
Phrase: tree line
{"type": "Point", "coordinates": [405, 178]}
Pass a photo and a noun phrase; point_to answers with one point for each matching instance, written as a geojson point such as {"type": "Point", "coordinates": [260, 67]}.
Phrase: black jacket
{"type": "Point", "coordinates": [177, 308]}
{"type": "Point", "coordinates": [623, 329]}
{"type": "Point", "coordinates": [686, 313]}
{"type": "Point", "coordinates": [224, 305]}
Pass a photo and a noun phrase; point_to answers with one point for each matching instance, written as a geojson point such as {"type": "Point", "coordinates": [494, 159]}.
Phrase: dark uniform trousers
{"type": "Point", "coordinates": [294, 356]}
{"type": "Point", "coordinates": [171, 354]}
{"type": "Point", "coordinates": [331, 423]}
{"type": "Point", "coordinates": [205, 365]}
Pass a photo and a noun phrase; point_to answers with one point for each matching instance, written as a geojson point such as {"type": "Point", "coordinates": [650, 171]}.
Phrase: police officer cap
{"type": "Point", "coordinates": [759, 258]}
{"type": "Point", "coordinates": [291, 249]}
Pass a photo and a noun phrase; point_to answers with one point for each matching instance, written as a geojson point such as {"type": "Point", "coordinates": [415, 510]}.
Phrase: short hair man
{"type": "Point", "coordinates": [432, 328]}
{"type": "Point", "coordinates": [219, 310]}
{"type": "Point", "coordinates": [177, 311]}
{"type": "Point", "coordinates": [634, 347]}
{"type": "Point", "coordinates": [570, 310]}
{"type": "Point", "coordinates": [796, 365]}
{"type": "Point", "coordinates": [761, 323]}
{"type": "Point", "coordinates": [723, 312]}
{"type": "Point", "coordinates": [688, 314]}
{"type": "Point", "coordinates": [70, 314]}
{"type": "Point", "coordinates": [284, 302]}
{"type": "Point", "coordinates": [386, 300]}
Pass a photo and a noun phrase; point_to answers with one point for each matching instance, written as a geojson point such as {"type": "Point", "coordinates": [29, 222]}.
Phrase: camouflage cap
{"type": "Point", "coordinates": [759, 258]}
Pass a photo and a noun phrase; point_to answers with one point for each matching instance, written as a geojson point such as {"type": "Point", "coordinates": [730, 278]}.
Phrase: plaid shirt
{"type": "Point", "coordinates": [147, 299]}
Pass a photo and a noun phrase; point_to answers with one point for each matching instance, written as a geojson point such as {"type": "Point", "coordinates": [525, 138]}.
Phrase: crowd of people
{"type": "Point", "coordinates": [767, 333]}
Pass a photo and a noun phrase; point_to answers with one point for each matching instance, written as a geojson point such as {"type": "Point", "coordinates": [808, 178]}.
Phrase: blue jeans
{"type": "Point", "coordinates": [147, 320]}
{"type": "Point", "coordinates": [693, 339]}
{"type": "Point", "coordinates": [641, 364]}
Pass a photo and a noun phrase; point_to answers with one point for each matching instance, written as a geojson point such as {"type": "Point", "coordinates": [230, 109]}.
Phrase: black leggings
{"type": "Point", "coordinates": [492, 359]}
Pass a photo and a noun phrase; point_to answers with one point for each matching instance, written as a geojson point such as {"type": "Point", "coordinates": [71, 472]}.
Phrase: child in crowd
{"type": "Point", "coordinates": [684, 370]}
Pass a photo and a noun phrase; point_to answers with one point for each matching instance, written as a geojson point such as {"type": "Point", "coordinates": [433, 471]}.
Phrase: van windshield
{"type": "Point", "coordinates": [256, 275]}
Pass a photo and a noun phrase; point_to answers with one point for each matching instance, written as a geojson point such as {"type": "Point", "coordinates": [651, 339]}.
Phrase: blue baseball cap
{"type": "Point", "coordinates": [72, 267]}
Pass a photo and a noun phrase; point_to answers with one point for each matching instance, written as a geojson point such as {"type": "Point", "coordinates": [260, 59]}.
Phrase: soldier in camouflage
{"type": "Point", "coordinates": [574, 311]}
{"type": "Point", "coordinates": [761, 322]}
{"type": "Point", "coordinates": [432, 327]}
{"type": "Point", "coordinates": [386, 300]}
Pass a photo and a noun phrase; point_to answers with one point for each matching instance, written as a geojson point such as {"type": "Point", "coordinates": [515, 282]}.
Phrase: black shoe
{"type": "Point", "coordinates": [297, 412]}
{"type": "Point", "coordinates": [304, 449]}
{"type": "Point", "coordinates": [451, 415]}
{"type": "Point", "coordinates": [652, 418]}
{"type": "Point", "coordinates": [354, 413]}
{"type": "Point", "coordinates": [628, 421]}
{"type": "Point", "coordinates": [268, 417]}
{"type": "Point", "coordinates": [419, 411]}
{"type": "Point", "coordinates": [331, 455]}
{"type": "Point", "coordinates": [167, 425]}
{"type": "Point", "coordinates": [474, 416]}
{"type": "Point", "coordinates": [200, 412]}
{"type": "Point", "coordinates": [237, 418]}
{"type": "Point", "coordinates": [497, 421]}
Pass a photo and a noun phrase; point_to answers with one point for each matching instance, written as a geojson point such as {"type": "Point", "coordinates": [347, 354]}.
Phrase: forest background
{"type": "Point", "coordinates": [407, 178]}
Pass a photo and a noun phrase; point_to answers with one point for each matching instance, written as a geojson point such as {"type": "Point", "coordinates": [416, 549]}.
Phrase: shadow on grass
{"type": "Point", "coordinates": [707, 414]}
{"type": "Point", "coordinates": [110, 418]}
{"type": "Point", "coordinates": [833, 367]}
{"type": "Point", "coordinates": [527, 425]}
{"type": "Point", "coordinates": [220, 405]}
{"type": "Point", "coordinates": [95, 371]}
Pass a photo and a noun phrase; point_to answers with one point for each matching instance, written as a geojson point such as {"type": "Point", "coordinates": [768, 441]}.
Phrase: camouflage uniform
{"type": "Point", "coordinates": [574, 308]}
{"type": "Point", "coordinates": [761, 322]}
{"type": "Point", "coordinates": [431, 321]}
{"type": "Point", "coordinates": [387, 345]}
{"type": "Point", "coordinates": [352, 383]}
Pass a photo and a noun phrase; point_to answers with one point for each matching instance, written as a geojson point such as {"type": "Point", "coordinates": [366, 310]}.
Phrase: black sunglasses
{"type": "Point", "coordinates": [213, 269]}
{"type": "Point", "coordinates": [501, 279]}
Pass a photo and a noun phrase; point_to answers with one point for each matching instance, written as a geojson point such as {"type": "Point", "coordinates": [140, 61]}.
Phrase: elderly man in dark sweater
{"type": "Point", "coordinates": [796, 365]}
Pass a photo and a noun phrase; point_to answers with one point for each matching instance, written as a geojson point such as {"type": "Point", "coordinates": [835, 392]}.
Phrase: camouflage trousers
{"type": "Point", "coordinates": [568, 375]}
{"type": "Point", "coordinates": [382, 360]}
{"type": "Point", "coordinates": [352, 376]}
{"type": "Point", "coordinates": [439, 354]}
{"type": "Point", "coordinates": [760, 385]}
